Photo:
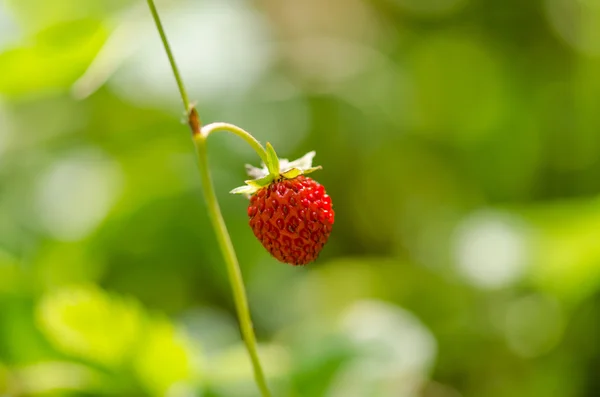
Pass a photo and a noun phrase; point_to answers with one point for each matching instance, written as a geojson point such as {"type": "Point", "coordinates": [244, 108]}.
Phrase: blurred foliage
{"type": "Point", "coordinates": [459, 141]}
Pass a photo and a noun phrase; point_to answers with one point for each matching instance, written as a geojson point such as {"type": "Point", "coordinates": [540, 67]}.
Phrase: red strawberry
{"type": "Point", "coordinates": [292, 219]}
{"type": "Point", "coordinates": [290, 213]}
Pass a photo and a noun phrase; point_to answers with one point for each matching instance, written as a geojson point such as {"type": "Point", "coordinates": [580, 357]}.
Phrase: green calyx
{"type": "Point", "coordinates": [275, 169]}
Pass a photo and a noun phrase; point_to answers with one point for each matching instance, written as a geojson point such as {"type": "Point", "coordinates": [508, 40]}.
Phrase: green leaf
{"type": "Point", "coordinates": [291, 173]}
{"type": "Point", "coordinates": [243, 190]}
{"type": "Point", "coordinates": [65, 50]}
{"type": "Point", "coordinates": [260, 182]}
{"type": "Point", "coordinates": [87, 322]}
{"type": "Point", "coordinates": [164, 359]}
{"type": "Point", "coordinates": [312, 169]}
{"type": "Point", "coordinates": [294, 172]}
{"type": "Point", "coordinates": [272, 160]}
{"type": "Point", "coordinates": [253, 185]}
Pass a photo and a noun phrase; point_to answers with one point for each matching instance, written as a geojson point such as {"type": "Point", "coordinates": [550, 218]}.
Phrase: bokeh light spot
{"type": "Point", "coordinates": [534, 325]}
{"type": "Point", "coordinates": [9, 30]}
{"type": "Point", "coordinates": [395, 351]}
{"type": "Point", "coordinates": [220, 69]}
{"type": "Point", "coordinates": [490, 249]}
{"type": "Point", "coordinates": [76, 194]}
{"type": "Point", "coordinates": [577, 22]}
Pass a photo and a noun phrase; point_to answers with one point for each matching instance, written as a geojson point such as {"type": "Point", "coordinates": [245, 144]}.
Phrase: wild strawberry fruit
{"type": "Point", "coordinates": [290, 213]}
{"type": "Point", "coordinates": [292, 218]}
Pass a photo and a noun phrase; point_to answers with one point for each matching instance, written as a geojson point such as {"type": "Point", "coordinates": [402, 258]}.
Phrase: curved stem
{"type": "Point", "coordinates": [233, 267]}
{"type": "Point", "coordinates": [234, 129]}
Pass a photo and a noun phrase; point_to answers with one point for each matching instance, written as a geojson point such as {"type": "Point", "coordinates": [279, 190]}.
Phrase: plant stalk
{"type": "Point", "coordinates": [186, 102]}
{"type": "Point", "coordinates": [233, 269]}
{"type": "Point", "coordinates": [234, 129]}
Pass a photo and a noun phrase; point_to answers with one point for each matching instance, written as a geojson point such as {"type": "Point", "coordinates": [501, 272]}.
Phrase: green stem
{"type": "Point", "coordinates": [163, 37]}
{"type": "Point", "coordinates": [233, 267]}
{"type": "Point", "coordinates": [258, 148]}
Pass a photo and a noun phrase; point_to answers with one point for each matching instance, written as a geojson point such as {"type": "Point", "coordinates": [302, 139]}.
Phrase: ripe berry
{"type": "Point", "coordinates": [290, 213]}
{"type": "Point", "coordinates": [292, 218]}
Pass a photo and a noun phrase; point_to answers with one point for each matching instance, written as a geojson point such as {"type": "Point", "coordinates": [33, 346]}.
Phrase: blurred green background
{"type": "Point", "coordinates": [460, 142]}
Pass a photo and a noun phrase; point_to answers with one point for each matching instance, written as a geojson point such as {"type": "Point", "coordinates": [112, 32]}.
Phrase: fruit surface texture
{"type": "Point", "coordinates": [292, 218]}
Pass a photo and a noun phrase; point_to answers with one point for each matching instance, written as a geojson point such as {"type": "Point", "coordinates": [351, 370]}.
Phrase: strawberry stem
{"type": "Point", "coordinates": [233, 268]}
{"type": "Point", "coordinates": [200, 134]}
{"type": "Point", "coordinates": [186, 102]}
{"type": "Point", "coordinates": [245, 135]}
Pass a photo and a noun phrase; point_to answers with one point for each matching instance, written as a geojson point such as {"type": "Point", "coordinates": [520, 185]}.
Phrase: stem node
{"type": "Point", "coordinates": [194, 122]}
